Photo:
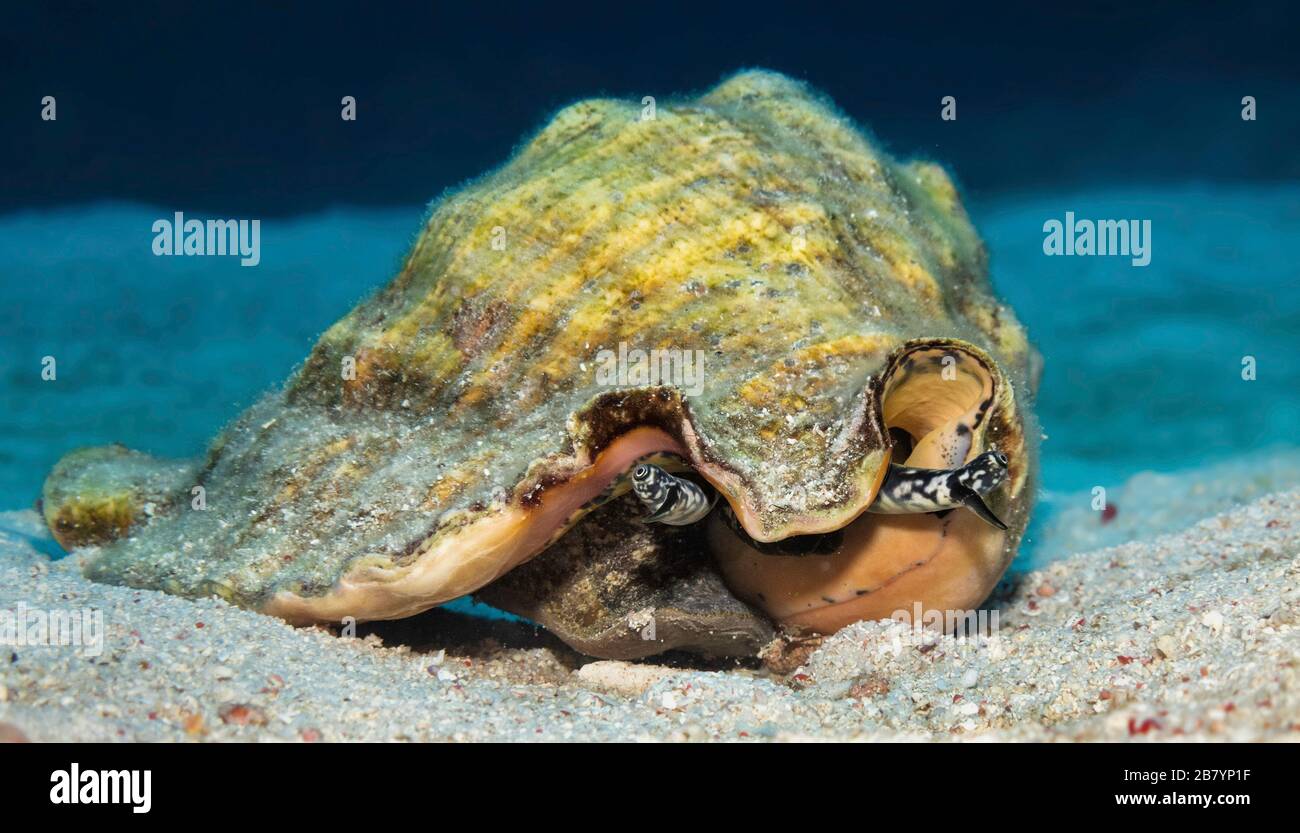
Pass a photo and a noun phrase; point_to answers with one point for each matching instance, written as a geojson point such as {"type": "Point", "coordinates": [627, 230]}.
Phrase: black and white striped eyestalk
{"type": "Point", "coordinates": [671, 500]}
{"type": "Point", "coordinates": [911, 490]}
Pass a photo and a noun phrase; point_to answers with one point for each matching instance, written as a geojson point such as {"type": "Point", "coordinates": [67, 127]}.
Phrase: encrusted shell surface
{"type": "Point", "coordinates": [754, 223]}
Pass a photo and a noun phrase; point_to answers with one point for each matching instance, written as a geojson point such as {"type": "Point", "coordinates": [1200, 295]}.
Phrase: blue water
{"type": "Point", "coordinates": [1143, 365]}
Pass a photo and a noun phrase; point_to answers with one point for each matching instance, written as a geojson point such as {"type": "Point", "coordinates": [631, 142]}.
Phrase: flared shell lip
{"type": "Point", "coordinates": [598, 425]}
{"type": "Point", "coordinates": [475, 549]}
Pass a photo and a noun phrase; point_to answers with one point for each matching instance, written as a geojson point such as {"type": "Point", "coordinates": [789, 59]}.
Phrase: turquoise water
{"type": "Point", "coordinates": [1142, 365]}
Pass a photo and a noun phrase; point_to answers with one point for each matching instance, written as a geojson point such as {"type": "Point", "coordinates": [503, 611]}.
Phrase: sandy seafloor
{"type": "Point", "coordinates": [1193, 635]}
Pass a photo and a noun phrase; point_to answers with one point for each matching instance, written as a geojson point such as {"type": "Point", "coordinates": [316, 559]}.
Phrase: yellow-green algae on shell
{"type": "Point", "coordinates": [754, 223]}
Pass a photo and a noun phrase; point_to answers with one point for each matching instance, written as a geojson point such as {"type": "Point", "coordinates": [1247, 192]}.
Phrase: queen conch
{"type": "Point", "coordinates": [788, 330]}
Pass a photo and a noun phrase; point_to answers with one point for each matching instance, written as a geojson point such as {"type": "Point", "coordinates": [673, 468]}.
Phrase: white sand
{"type": "Point", "coordinates": [1195, 634]}
{"type": "Point", "coordinates": [1152, 503]}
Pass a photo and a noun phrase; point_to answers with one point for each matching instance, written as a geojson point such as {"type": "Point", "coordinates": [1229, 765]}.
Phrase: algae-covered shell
{"type": "Point", "coordinates": [455, 424]}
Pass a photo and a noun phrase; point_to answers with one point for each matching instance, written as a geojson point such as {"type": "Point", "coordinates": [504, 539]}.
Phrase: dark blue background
{"type": "Point", "coordinates": [233, 109]}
